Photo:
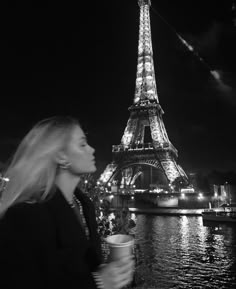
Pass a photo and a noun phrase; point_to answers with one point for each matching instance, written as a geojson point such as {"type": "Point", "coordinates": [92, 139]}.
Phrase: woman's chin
{"type": "Point", "coordinates": [93, 169]}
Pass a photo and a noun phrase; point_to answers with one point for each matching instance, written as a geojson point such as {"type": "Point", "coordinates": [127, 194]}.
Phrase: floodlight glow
{"type": "Point", "coordinates": [200, 196]}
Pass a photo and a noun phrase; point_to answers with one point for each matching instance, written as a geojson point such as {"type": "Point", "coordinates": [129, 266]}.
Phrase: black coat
{"type": "Point", "coordinates": [43, 246]}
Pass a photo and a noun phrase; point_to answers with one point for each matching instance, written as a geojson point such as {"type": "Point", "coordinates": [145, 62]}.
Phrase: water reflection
{"type": "Point", "coordinates": [179, 252]}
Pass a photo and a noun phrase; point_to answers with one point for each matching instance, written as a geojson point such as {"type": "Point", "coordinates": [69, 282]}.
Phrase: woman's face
{"type": "Point", "coordinates": [79, 154]}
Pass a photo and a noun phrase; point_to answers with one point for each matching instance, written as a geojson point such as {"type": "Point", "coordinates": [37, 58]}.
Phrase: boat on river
{"type": "Point", "coordinates": [219, 215]}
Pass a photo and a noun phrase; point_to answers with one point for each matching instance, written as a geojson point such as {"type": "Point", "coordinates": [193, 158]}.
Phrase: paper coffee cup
{"type": "Point", "coordinates": [120, 246]}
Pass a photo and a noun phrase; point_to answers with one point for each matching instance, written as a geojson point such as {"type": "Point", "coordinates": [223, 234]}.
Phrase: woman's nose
{"type": "Point", "coordinates": [92, 149]}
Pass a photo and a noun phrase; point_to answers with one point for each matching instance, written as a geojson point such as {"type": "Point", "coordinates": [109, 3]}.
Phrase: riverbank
{"type": "Point", "coordinates": [167, 211]}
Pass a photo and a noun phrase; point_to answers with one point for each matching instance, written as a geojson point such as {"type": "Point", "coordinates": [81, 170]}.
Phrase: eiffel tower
{"type": "Point", "coordinates": [145, 157]}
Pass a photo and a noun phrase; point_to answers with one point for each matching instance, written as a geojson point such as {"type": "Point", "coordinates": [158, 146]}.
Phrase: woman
{"type": "Point", "coordinates": [48, 230]}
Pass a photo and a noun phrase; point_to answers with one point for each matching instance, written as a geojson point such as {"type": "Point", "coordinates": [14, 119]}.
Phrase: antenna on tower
{"type": "Point", "coordinates": [144, 2]}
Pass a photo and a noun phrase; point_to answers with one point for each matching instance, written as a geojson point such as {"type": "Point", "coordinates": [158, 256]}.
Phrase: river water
{"type": "Point", "coordinates": [182, 252]}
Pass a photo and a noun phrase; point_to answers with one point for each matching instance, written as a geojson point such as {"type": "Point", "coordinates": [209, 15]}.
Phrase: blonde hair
{"type": "Point", "coordinates": [33, 168]}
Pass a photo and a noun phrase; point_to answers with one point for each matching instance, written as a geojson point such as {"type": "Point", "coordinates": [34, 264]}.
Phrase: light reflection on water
{"type": "Point", "coordinates": [179, 252]}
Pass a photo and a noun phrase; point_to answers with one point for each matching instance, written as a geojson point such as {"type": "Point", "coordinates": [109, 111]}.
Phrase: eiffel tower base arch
{"type": "Point", "coordinates": [141, 176]}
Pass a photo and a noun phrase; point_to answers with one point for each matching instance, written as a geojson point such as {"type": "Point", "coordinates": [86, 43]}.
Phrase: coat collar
{"type": "Point", "coordinates": [64, 216]}
{"type": "Point", "coordinates": [67, 225]}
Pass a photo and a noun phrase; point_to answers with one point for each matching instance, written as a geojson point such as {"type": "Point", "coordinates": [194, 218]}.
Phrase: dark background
{"type": "Point", "coordinates": [80, 59]}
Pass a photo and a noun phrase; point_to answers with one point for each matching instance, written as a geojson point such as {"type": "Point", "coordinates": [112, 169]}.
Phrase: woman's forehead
{"type": "Point", "coordinates": [78, 134]}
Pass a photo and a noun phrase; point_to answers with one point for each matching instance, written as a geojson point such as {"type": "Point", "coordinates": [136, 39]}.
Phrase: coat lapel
{"type": "Point", "coordinates": [68, 228]}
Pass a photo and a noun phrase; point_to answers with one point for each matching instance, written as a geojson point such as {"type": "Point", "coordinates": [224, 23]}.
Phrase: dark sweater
{"type": "Point", "coordinates": [43, 246]}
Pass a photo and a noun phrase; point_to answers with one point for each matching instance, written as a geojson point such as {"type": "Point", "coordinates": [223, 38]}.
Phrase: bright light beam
{"type": "Point", "coordinates": [215, 74]}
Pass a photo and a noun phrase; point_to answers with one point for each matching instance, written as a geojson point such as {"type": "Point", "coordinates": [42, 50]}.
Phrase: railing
{"type": "Point", "coordinates": [143, 146]}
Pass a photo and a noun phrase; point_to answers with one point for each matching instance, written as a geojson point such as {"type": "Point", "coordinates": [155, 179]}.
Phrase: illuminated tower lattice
{"type": "Point", "coordinates": [145, 156]}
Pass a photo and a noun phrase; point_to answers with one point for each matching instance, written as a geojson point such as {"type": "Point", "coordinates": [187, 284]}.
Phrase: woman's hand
{"type": "Point", "coordinates": [117, 274]}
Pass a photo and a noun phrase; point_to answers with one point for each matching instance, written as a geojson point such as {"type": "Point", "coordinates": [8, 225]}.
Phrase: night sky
{"type": "Point", "coordinates": [60, 59]}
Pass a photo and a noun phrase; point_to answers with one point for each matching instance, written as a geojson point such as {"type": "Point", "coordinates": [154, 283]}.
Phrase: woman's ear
{"type": "Point", "coordinates": [61, 158]}
{"type": "Point", "coordinates": [62, 161]}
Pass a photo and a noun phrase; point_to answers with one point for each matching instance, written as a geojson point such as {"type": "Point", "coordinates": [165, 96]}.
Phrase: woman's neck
{"type": "Point", "coordinates": [67, 184]}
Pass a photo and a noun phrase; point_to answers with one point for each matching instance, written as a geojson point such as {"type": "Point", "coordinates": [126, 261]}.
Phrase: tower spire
{"type": "Point", "coordinates": [145, 90]}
